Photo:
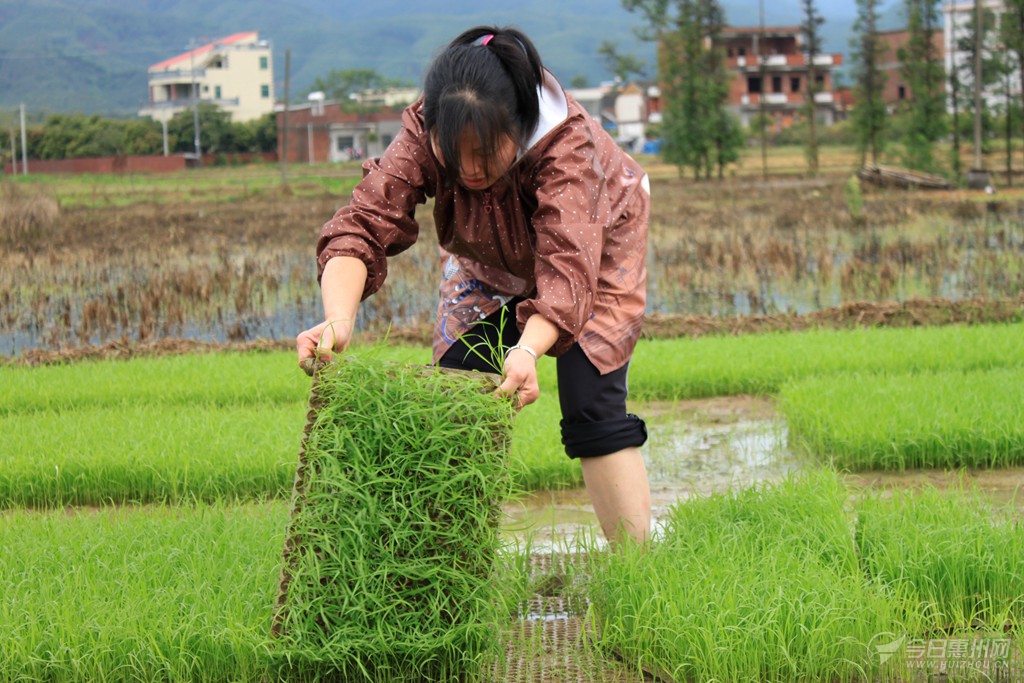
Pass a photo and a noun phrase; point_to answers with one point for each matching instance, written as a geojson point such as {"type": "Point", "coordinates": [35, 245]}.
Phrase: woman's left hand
{"type": "Point", "coordinates": [520, 372]}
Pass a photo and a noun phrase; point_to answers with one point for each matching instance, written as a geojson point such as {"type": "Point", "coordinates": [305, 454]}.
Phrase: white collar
{"type": "Point", "coordinates": [554, 108]}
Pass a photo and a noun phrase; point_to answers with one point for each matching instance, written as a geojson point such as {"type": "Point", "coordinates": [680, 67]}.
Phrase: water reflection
{"type": "Point", "coordinates": [703, 447]}
{"type": "Point", "coordinates": [695, 454]}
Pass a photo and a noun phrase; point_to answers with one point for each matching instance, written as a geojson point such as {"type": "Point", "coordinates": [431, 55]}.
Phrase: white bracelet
{"type": "Point", "coordinates": [524, 348]}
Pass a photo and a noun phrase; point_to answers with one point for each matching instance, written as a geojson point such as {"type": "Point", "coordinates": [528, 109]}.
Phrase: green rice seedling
{"type": "Point", "coordinates": [932, 419]}
{"type": "Point", "coordinates": [945, 555]}
{"type": "Point", "coordinates": [761, 584]}
{"type": "Point", "coordinates": [673, 369]}
{"type": "Point", "coordinates": [193, 426]}
{"type": "Point", "coordinates": [145, 453]}
{"type": "Point", "coordinates": [389, 564]}
{"type": "Point", "coordinates": [139, 594]}
{"type": "Point", "coordinates": [220, 379]}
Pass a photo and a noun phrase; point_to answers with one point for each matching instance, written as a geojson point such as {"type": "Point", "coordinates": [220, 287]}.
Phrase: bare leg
{"type": "Point", "coordinates": [618, 488]}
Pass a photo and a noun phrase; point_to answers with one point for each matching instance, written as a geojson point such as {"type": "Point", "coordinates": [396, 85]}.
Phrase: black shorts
{"type": "Point", "coordinates": [594, 417]}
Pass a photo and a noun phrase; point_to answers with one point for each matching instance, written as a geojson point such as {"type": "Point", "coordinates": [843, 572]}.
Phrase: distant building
{"type": "Point", "coordinates": [235, 73]}
{"type": "Point", "coordinates": [625, 112]}
{"type": "Point", "coordinates": [786, 74]}
{"type": "Point", "coordinates": [321, 131]}
{"type": "Point", "coordinates": [896, 88]}
{"type": "Point", "coordinates": [387, 97]}
{"type": "Point", "coordinates": [958, 22]}
{"type": "Point", "coordinates": [598, 102]}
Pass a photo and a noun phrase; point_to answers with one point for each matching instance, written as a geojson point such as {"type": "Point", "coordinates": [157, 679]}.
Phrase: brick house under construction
{"type": "Point", "coordinates": [786, 72]}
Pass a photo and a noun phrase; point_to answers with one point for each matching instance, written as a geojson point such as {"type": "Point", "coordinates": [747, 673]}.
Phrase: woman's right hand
{"type": "Point", "coordinates": [320, 341]}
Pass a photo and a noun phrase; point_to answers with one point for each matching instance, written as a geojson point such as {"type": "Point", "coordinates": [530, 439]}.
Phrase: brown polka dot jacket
{"type": "Point", "coordinates": [566, 228]}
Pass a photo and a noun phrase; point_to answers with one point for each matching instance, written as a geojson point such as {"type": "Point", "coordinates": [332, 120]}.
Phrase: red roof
{"type": "Point", "coordinates": [187, 56]}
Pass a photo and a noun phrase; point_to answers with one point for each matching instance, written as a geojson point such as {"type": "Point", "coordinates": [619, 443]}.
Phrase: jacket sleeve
{"type": "Point", "coordinates": [379, 221]}
{"type": "Point", "coordinates": [570, 222]}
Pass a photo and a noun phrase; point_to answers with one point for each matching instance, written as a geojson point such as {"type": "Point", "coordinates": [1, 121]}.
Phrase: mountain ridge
{"type": "Point", "coordinates": [91, 56]}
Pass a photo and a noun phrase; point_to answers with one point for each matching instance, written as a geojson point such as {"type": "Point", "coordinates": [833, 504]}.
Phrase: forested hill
{"type": "Point", "coordinates": [92, 55]}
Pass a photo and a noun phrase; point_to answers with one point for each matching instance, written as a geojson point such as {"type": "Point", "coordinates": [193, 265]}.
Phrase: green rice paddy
{"type": "Point", "coordinates": [763, 585]}
{"type": "Point", "coordinates": [153, 594]}
{"type": "Point", "coordinates": [790, 581]}
{"type": "Point", "coordinates": [157, 429]}
{"type": "Point", "coordinates": [664, 369]}
{"type": "Point", "coordinates": [948, 556]}
{"type": "Point", "coordinates": [946, 419]}
{"type": "Point", "coordinates": [798, 580]}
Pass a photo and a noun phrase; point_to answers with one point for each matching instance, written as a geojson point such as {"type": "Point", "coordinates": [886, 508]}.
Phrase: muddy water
{"type": "Point", "coordinates": [695, 448]}
{"type": "Point", "coordinates": [704, 446]}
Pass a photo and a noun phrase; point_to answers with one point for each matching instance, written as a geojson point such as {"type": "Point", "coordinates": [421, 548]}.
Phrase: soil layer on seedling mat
{"type": "Point", "coordinates": [389, 560]}
{"type": "Point", "coordinates": [551, 638]}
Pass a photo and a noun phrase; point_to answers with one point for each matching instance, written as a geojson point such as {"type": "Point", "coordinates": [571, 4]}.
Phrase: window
{"type": "Point", "coordinates": [386, 140]}
{"type": "Point", "coordinates": [742, 51]}
{"type": "Point", "coordinates": [903, 92]}
{"type": "Point", "coordinates": [753, 84]}
{"type": "Point", "coordinates": [794, 84]}
{"type": "Point", "coordinates": [216, 92]}
{"type": "Point", "coordinates": [264, 91]}
{"type": "Point", "coordinates": [263, 63]}
{"type": "Point", "coordinates": [345, 143]}
{"type": "Point", "coordinates": [776, 83]}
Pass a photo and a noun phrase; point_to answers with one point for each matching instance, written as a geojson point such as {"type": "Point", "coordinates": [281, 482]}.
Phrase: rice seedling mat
{"type": "Point", "coordinates": [388, 562]}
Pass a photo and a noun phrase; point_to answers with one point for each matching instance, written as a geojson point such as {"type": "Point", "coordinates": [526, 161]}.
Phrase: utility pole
{"type": "Point", "coordinates": [954, 88]}
{"type": "Point", "coordinates": [978, 44]}
{"type": "Point", "coordinates": [284, 124]}
{"type": "Point", "coordinates": [195, 103]}
{"type": "Point", "coordinates": [762, 110]}
{"type": "Point", "coordinates": [1009, 131]}
{"type": "Point", "coordinates": [24, 144]}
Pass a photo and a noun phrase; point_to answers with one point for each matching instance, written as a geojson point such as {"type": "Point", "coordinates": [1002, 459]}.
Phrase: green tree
{"type": "Point", "coordinates": [1011, 34]}
{"type": "Point", "coordinates": [812, 33]}
{"type": "Point", "coordinates": [579, 81]}
{"type": "Point", "coordinates": [68, 136]}
{"type": "Point", "coordinates": [990, 69]}
{"type": "Point", "coordinates": [698, 134]}
{"type": "Point", "coordinates": [215, 130]}
{"type": "Point", "coordinates": [142, 137]}
{"type": "Point", "coordinates": [623, 67]}
{"type": "Point", "coordinates": [923, 72]}
{"type": "Point", "coordinates": [869, 116]}
{"type": "Point", "coordinates": [954, 101]}
{"type": "Point", "coordinates": [262, 134]}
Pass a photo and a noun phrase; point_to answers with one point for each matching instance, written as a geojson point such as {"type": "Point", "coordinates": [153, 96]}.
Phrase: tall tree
{"type": "Point", "coordinates": [621, 65]}
{"type": "Point", "coordinates": [974, 75]}
{"type": "Point", "coordinates": [923, 71]}
{"type": "Point", "coordinates": [954, 98]}
{"type": "Point", "coordinates": [869, 116]}
{"type": "Point", "coordinates": [812, 33]}
{"type": "Point", "coordinates": [720, 127]}
{"type": "Point", "coordinates": [762, 103]}
{"type": "Point", "coordinates": [698, 133]}
{"type": "Point", "coordinates": [1011, 30]}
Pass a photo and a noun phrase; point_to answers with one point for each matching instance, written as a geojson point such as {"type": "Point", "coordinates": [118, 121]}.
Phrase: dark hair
{"type": "Point", "coordinates": [487, 79]}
